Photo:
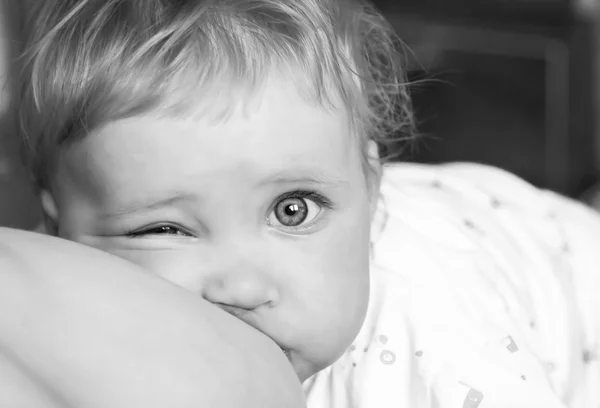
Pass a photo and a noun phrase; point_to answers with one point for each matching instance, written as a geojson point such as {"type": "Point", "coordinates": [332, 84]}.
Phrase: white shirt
{"type": "Point", "coordinates": [485, 292]}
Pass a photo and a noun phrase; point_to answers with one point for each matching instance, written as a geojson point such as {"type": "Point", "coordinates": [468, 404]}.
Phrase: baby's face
{"type": "Point", "coordinates": [265, 214]}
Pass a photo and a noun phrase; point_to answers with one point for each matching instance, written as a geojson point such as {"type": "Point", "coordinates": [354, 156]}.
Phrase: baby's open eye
{"type": "Point", "coordinates": [297, 209]}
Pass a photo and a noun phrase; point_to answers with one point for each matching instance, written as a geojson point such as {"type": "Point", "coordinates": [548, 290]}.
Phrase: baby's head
{"type": "Point", "coordinates": [229, 146]}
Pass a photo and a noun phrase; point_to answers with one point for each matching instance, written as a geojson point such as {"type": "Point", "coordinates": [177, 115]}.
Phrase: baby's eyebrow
{"type": "Point", "coordinates": [152, 204]}
{"type": "Point", "coordinates": [310, 177]}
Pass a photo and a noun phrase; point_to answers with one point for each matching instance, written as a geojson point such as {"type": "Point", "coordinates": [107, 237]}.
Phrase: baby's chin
{"type": "Point", "coordinates": [317, 357]}
{"type": "Point", "coordinates": [304, 368]}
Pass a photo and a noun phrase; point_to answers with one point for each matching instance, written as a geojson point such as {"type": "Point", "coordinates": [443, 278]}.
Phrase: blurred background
{"type": "Point", "coordinates": [511, 83]}
{"type": "Point", "coordinates": [18, 204]}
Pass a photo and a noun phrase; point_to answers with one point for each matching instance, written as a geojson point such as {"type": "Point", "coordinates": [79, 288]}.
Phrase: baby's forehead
{"type": "Point", "coordinates": [277, 134]}
{"type": "Point", "coordinates": [224, 96]}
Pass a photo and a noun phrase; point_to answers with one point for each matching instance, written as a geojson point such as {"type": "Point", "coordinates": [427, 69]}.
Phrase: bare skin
{"type": "Point", "coordinates": [81, 328]}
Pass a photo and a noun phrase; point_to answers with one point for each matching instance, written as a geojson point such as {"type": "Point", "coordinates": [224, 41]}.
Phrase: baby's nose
{"type": "Point", "coordinates": [244, 290]}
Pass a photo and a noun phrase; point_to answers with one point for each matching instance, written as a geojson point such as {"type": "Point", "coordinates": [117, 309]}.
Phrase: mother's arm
{"type": "Point", "coordinates": [99, 333]}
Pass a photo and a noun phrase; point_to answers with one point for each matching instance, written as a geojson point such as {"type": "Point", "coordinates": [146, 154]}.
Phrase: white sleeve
{"type": "Point", "coordinates": [507, 277]}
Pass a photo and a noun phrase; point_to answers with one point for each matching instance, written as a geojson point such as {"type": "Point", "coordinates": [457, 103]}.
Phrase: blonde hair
{"type": "Point", "coordinates": [88, 62]}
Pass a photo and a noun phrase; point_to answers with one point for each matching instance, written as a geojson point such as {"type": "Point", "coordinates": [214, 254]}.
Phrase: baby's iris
{"type": "Point", "coordinates": [291, 212]}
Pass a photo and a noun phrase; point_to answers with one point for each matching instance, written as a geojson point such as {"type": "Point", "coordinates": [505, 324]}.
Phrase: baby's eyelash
{"type": "Point", "coordinates": [310, 194]}
{"type": "Point", "coordinates": [152, 230]}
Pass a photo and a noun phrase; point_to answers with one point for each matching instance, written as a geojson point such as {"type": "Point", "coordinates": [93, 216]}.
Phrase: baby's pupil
{"type": "Point", "coordinates": [292, 209]}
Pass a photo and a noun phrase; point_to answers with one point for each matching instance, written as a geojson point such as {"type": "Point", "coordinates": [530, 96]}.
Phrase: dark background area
{"type": "Point", "coordinates": [18, 205]}
{"type": "Point", "coordinates": [507, 83]}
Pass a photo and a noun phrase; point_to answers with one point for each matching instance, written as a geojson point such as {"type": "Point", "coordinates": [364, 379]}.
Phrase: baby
{"type": "Point", "coordinates": [235, 148]}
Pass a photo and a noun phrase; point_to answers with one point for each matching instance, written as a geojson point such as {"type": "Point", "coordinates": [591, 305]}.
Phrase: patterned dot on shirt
{"type": "Point", "coordinates": [387, 357]}
{"type": "Point", "coordinates": [588, 356]}
{"type": "Point", "coordinates": [523, 378]}
{"type": "Point", "coordinates": [469, 224]}
{"type": "Point", "coordinates": [383, 339]}
{"type": "Point", "coordinates": [419, 353]}
{"type": "Point", "coordinates": [473, 399]}
{"type": "Point", "coordinates": [510, 344]}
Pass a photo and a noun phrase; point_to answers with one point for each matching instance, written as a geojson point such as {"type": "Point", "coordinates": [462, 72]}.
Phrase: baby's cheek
{"type": "Point", "coordinates": [177, 266]}
{"type": "Point", "coordinates": [354, 272]}
{"type": "Point", "coordinates": [348, 281]}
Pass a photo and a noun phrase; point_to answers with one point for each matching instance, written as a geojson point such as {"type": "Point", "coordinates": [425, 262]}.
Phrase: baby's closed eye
{"type": "Point", "coordinates": [162, 230]}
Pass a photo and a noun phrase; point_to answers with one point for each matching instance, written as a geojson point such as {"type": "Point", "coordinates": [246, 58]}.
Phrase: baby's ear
{"type": "Point", "coordinates": [375, 173]}
{"type": "Point", "coordinates": [50, 212]}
